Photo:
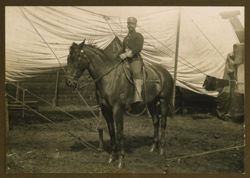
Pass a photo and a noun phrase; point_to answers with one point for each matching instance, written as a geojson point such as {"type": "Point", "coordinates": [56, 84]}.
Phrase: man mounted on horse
{"type": "Point", "coordinates": [114, 90]}
{"type": "Point", "coordinates": [132, 46]}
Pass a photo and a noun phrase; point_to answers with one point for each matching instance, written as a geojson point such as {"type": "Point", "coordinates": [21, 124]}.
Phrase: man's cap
{"type": "Point", "coordinates": [132, 20]}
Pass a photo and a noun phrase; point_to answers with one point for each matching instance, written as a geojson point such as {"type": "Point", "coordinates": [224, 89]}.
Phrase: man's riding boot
{"type": "Point", "coordinates": [138, 90]}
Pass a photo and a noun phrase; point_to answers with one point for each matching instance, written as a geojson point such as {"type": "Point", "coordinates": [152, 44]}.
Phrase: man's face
{"type": "Point", "coordinates": [131, 26]}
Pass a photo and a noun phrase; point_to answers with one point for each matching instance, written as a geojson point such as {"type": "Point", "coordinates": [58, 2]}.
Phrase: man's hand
{"type": "Point", "coordinates": [129, 53]}
{"type": "Point", "coordinates": [123, 56]}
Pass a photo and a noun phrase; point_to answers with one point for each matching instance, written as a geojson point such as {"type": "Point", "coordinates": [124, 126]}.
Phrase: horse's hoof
{"type": "Point", "coordinates": [152, 148]}
{"type": "Point", "coordinates": [121, 164]}
{"type": "Point", "coordinates": [111, 160]}
{"type": "Point", "coordinates": [162, 152]}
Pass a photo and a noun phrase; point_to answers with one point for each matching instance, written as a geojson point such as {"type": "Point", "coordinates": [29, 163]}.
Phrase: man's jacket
{"type": "Point", "coordinates": [134, 42]}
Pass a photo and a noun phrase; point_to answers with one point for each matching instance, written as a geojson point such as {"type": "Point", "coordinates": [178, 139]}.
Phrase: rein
{"type": "Point", "coordinates": [100, 77]}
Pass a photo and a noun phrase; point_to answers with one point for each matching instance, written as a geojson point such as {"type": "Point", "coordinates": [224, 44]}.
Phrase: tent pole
{"type": "Point", "coordinates": [7, 119]}
{"type": "Point", "coordinates": [55, 99]}
{"type": "Point", "coordinates": [176, 56]}
{"type": "Point", "coordinates": [17, 91]}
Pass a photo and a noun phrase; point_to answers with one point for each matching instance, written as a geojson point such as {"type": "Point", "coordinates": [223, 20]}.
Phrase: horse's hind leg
{"type": "Point", "coordinates": [100, 131]}
{"type": "Point", "coordinates": [108, 115]}
{"type": "Point", "coordinates": [164, 112]}
{"type": "Point", "coordinates": [155, 118]}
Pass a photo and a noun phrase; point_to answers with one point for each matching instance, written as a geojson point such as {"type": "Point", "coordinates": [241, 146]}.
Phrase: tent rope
{"type": "Point", "coordinates": [91, 12]}
{"type": "Point", "coordinates": [210, 42]}
{"type": "Point", "coordinates": [92, 147]}
{"type": "Point", "coordinates": [107, 20]}
{"type": "Point", "coordinates": [188, 64]}
{"type": "Point", "coordinates": [60, 64]}
{"type": "Point", "coordinates": [22, 10]}
{"type": "Point", "coordinates": [56, 107]}
{"type": "Point", "coordinates": [83, 141]}
{"type": "Point", "coordinates": [205, 153]}
{"type": "Point", "coordinates": [105, 17]}
{"type": "Point", "coordinates": [98, 122]}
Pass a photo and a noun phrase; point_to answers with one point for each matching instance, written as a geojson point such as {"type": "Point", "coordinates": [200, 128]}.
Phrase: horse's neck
{"type": "Point", "coordinates": [107, 74]}
{"type": "Point", "coordinates": [99, 66]}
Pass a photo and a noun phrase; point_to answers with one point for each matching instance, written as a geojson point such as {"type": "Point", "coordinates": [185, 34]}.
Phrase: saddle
{"type": "Point", "coordinates": [150, 76]}
{"type": "Point", "coordinates": [149, 73]}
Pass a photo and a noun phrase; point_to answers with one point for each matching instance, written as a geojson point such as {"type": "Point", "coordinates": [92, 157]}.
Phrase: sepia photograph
{"type": "Point", "coordinates": [125, 89]}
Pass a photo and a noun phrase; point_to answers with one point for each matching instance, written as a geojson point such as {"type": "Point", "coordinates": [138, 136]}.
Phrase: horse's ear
{"type": "Point", "coordinates": [82, 43]}
{"type": "Point", "coordinates": [73, 45]}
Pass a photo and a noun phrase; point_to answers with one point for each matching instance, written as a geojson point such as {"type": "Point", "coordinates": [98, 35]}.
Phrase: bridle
{"type": "Point", "coordinates": [79, 72]}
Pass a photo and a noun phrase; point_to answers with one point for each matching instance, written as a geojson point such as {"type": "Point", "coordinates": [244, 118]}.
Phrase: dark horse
{"type": "Point", "coordinates": [114, 91]}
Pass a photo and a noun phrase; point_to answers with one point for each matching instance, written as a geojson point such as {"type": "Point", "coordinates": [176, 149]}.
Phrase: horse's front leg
{"type": "Point", "coordinates": [155, 118]}
{"type": "Point", "coordinates": [108, 115]}
{"type": "Point", "coordinates": [155, 145]}
{"type": "Point", "coordinates": [118, 111]}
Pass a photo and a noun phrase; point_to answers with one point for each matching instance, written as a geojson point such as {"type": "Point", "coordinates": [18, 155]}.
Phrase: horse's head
{"type": "Point", "coordinates": [77, 62]}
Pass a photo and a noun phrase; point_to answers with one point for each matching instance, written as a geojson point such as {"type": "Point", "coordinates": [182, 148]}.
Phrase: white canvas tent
{"type": "Point", "coordinates": [34, 35]}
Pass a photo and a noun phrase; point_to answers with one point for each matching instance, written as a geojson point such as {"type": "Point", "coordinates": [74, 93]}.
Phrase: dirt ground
{"type": "Point", "coordinates": [36, 146]}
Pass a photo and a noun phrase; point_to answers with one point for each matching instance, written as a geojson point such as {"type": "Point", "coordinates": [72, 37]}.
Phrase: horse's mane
{"type": "Point", "coordinates": [101, 53]}
{"type": "Point", "coordinates": [95, 50]}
